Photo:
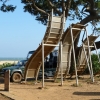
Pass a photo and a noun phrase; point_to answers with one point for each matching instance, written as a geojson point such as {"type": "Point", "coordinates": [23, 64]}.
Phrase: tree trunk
{"type": "Point", "coordinates": [97, 45]}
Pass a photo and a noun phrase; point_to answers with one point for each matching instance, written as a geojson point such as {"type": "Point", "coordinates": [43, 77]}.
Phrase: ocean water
{"type": "Point", "coordinates": [11, 59]}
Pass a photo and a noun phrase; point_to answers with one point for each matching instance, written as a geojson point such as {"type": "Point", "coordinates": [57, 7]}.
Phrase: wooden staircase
{"type": "Point", "coordinates": [53, 34]}
{"type": "Point", "coordinates": [68, 39]}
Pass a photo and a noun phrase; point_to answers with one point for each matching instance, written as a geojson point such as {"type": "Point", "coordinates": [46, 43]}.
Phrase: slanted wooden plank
{"type": "Point", "coordinates": [7, 81]}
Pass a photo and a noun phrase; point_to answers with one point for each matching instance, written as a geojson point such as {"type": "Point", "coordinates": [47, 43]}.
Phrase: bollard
{"type": "Point", "coordinates": [7, 80]}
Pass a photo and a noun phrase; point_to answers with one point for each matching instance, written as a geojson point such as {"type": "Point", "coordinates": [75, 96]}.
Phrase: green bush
{"type": "Point", "coordinates": [6, 65]}
{"type": "Point", "coordinates": [95, 63]}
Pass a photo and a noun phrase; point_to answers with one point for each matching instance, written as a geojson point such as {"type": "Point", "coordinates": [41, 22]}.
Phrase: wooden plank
{"type": "Point", "coordinates": [35, 62]}
{"type": "Point", "coordinates": [7, 81]}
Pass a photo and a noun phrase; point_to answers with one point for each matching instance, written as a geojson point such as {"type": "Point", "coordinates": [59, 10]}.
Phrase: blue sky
{"type": "Point", "coordinates": [19, 32]}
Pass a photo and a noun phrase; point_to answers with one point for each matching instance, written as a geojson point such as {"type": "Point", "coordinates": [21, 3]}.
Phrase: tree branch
{"type": "Point", "coordinates": [37, 8]}
{"type": "Point", "coordinates": [92, 4]}
{"type": "Point", "coordinates": [63, 6]}
{"type": "Point", "coordinates": [89, 18]}
{"type": "Point", "coordinates": [52, 5]}
{"type": "Point", "coordinates": [68, 4]}
{"type": "Point", "coordinates": [91, 7]}
{"type": "Point", "coordinates": [40, 10]}
{"type": "Point", "coordinates": [97, 45]}
{"type": "Point", "coordinates": [85, 21]}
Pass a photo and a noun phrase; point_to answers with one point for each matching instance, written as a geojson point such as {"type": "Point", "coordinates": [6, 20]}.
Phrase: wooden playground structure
{"type": "Point", "coordinates": [55, 36]}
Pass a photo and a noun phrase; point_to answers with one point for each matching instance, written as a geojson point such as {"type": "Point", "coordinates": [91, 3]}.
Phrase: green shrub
{"type": "Point", "coordinates": [6, 65]}
{"type": "Point", "coordinates": [95, 63]}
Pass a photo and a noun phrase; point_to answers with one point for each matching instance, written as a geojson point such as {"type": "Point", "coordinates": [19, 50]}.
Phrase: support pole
{"type": "Point", "coordinates": [63, 21]}
{"type": "Point", "coordinates": [61, 67]}
{"type": "Point", "coordinates": [87, 60]}
{"type": "Point", "coordinates": [74, 57]}
{"type": "Point", "coordinates": [90, 57]}
{"type": "Point", "coordinates": [42, 64]}
{"type": "Point", "coordinates": [69, 63]}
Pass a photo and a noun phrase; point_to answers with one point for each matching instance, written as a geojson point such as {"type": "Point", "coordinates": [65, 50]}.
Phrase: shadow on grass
{"type": "Point", "coordinates": [2, 90]}
{"type": "Point", "coordinates": [94, 99]}
{"type": "Point", "coordinates": [87, 93]}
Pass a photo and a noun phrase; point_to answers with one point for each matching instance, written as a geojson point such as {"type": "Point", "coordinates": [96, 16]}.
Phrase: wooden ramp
{"type": "Point", "coordinates": [84, 54]}
{"type": "Point", "coordinates": [53, 34]}
{"type": "Point", "coordinates": [67, 42]}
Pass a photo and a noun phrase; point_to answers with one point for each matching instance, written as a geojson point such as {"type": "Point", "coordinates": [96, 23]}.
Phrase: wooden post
{"type": "Point", "coordinates": [7, 81]}
{"type": "Point", "coordinates": [61, 67]}
{"type": "Point", "coordinates": [74, 56]}
{"type": "Point", "coordinates": [90, 61]}
{"type": "Point", "coordinates": [87, 60]}
{"type": "Point", "coordinates": [42, 64]}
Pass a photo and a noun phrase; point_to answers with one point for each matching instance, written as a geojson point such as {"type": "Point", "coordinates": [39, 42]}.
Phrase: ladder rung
{"type": "Point", "coordinates": [64, 61]}
{"type": "Point", "coordinates": [89, 46]}
{"type": "Point", "coordinates": [79, 71]}
{"type": "Point", "coordinates": [53, 37]}
{"type": "Point", "coordinates": [54, 21]}
{"type": "Point", "coordinates": [82, 64]}
{"type": "Point", "coordinates": [56, 28]}
{"type": "Point", "coordinates": [77, 29]}
{"type": "Point", "coordinates": [57, 22]}
{"type": "Point", "coordinates": [65, 52]}
{"type": "Point", "coordinates": [67, 45]}
{"type": "Point", "coordinates": [82, 68]}
{"type": "Point", "coordinates": [51, 41]}
{"type": "Point", "coordinates": [60, 73]}
{"type": "Point", "coordinates": [53, 32]}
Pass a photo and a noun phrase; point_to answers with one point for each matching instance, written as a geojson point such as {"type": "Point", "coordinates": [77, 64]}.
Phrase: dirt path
{"type": "Point", "coordinates": [3, 97]}
{"type": "Point", "coordinates": [53, 91]}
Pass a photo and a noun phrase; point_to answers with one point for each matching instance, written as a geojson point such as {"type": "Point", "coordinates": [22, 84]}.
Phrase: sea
{"type": "Point", "coordinates": [11, 58]}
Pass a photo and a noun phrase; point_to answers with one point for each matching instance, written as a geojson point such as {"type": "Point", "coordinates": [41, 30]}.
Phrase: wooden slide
{"type": "Point", "coordinates": [83, 58]}
{"type": "Point", "coordinates": [53, 34]}
{"type": "Point", "coordinates": [67, 48]}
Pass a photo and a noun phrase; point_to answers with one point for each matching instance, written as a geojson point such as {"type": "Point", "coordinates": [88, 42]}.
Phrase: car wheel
{"type": "Point", "coordinates": [16, 77]}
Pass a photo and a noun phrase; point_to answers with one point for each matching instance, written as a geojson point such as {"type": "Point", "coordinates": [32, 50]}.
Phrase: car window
{"type": "Point", "coordinates": [21, 63]}
{"type": "Point", "coordinates": [30, 54]}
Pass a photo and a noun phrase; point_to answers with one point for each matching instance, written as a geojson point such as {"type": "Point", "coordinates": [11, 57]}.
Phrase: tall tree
{"type": "Point", "coordinates": [42, 8]}
{"type": "Point", "coordinates": [86, 11]}
{"type": "Point", "coordinates": [6, 8]}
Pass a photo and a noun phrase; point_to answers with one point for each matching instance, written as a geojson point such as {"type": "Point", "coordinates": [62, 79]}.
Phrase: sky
{"type": "Point", "coordinates": [19, 32]}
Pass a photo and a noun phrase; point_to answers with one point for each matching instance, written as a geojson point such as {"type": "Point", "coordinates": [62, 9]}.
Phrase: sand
{"type": "Point", "coordinates": [53, 91]}
{"type": "Point", "coordinates": [2, 62]}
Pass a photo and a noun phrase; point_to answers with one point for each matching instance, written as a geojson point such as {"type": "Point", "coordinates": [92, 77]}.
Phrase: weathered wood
{"type": "Point", "coordinates": [68, 39]}
{"type": "Point", "coordinates": [7, 81]}
{"type": "Point", "coordinates": [53, 34]}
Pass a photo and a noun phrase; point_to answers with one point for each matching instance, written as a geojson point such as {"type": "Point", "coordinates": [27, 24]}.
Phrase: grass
{"type": "Point", "coordinates": [75, 85]}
